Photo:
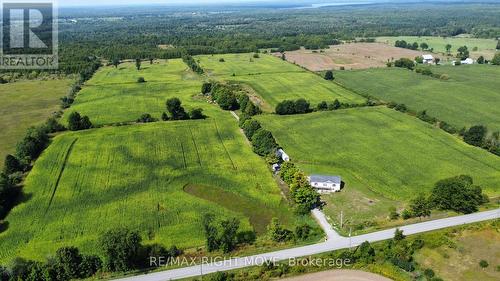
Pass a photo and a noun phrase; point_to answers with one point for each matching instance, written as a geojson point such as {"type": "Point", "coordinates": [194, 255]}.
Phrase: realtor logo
{"type": "Point", "coordinates": [28, 34]}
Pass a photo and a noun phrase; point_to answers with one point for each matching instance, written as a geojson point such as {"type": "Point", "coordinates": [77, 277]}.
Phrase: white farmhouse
{"type": "Point", "coordinates": [428, 59]}
{"type": "Point", "coordinates": [325, 183]}
{"type": "Point", "coordinates": [467, 61]}
{"type": "Point", "coordinates": [282, 154]}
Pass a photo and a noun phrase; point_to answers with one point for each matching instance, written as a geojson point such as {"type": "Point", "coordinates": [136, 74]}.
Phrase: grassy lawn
{"type": "Point", "coordinates": [274, 79]}
{"type": "Point", "coordinates": [384, 157]}
{"type": "Point", "coordinates": [485, 47]}
{"type": "Point", "coordinates": [26, 103]}
{"type": "Point", "coordinates": [135, 176]}
{"type": "Point", "coordinates": [113, 94]}
{"type": "Point", "coordinates": [469, 97]}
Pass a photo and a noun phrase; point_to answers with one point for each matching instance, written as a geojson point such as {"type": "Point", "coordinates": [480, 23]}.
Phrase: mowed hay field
{"type": "Point", "coordinates": [349, 56]}
{"type": "Point", "coordinates": [274, 80]}
{"type": "Point", "coordinates": [113, 94]}
{"type": "Point", "coordinates": [383, 156]}
{"type": "Point", "coordinates": [470, 96]}
{"type": "Point", "coordinates": [134, 176]}
{"type": "Point", "coordinates": [485, 47]}
{"type": "Point", "coordinates": [24, 104]}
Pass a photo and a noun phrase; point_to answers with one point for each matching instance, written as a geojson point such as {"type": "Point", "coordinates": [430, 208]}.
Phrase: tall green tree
{"type": "Point", "coordinates": [120, 249]}
{"type": "Point", "coordinates": [138, 64]}
{"type": "Point", "coordinates": [420, 206]}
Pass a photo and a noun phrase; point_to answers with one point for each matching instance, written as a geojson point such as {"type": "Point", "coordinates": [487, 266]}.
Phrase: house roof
{"type": "Point", "coordinates": [428, 57]}
{"type": "Point", "coordinates": [321, 178]}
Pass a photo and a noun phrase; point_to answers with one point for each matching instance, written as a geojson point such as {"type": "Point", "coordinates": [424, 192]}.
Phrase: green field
{"type": "Point", "coordinates": [275, 80]}
{"type": "Point", "coordinates": [88, 182]}
{"type": "Point", "coordinates": [485, 47]}
{"type": "Point", "coordinates": [384, 157]}
{"type": "Point", "coordinates": [469, 97]}
{"type": "Point", "coordinates": [26, 103]}
{"type": "Point", "coordinates": [113, 95]}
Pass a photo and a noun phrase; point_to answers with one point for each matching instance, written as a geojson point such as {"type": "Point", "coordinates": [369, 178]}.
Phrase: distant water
{"type": "Point", "coordinates": [320, 5]}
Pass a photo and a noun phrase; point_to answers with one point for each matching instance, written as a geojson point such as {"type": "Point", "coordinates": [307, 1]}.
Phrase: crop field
{"type": "Point", "coordinates": [383, 156]}
{"type": "Point", "coordinates": [135, 176]}
{"type": "Point", "coordinates": [275, 80]}
{"type": "Point", "coordinates": [470, 96]}
{"type": "Point", "coordinates": [485, 47]}
{"type": "Point", "coordinates": [349, 56]}
{"type": "Point", "coordinates": [24, 104]}
{"type": "Point", "coordinates": [113, 94]}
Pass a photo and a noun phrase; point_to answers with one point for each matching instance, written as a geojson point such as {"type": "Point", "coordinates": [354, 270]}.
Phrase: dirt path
{"type": "Point", "coordinates": [339, 275]}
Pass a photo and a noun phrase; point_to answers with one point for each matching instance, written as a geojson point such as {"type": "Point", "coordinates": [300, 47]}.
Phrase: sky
{"type": "Point", "coordinates": [64, 3]}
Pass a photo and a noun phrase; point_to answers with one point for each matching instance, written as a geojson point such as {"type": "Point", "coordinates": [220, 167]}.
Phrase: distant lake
{"type": "Point", "coordinates": [320, 5]}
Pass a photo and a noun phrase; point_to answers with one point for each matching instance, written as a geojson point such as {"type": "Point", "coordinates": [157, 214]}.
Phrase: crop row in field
{"type": "Point", "coordinates": [273, 79]}
{"type": "Point", "coordinates": [24, 104]}
{"type": "Point", "coordinates": [469, 97]}
{"type": "Point", "coordinates": [88, 182]}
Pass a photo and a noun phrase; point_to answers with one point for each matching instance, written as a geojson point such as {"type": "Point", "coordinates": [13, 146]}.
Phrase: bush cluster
{"type": "Point", "coordinates": [303, 194]}
{"type": "Point", "coordinates": [288, 107]}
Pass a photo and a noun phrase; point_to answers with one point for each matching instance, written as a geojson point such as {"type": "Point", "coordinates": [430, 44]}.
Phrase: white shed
{"type": "Point", "coordinates": [427, 59]}
{"type": "Point", "coordinates": [282, 154]}
{"type": "Point", "coordinates": [467, 61]}
{"type": "Point", "coordinates": [325, 183]}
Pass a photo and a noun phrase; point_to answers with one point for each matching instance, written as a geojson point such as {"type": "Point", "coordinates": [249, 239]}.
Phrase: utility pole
{"type": "Point", "coordinates": [341, 219]}
{"type": "Point", "coordinates": [350, 239]}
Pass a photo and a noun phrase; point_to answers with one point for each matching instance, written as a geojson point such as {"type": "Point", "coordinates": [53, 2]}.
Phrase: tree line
{"type": "Point", "coordinates": [120, 250]}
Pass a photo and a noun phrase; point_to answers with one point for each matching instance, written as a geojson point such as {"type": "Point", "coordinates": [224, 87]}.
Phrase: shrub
{"type": "Point", "coordinates": [227, 100]}
{"type": "Point", "coordinates": [288, 107]}
{"type": "Point", "coordinates": [277, 232]}
{"type": "Point", "coordinates": [221, 60]}
{"type": "Point", "coordinates": [483, 264]}
{"type": "Point", "coordinates": [329, 75]}
{"type": "Point", "coordinates": [164, 116]}
{"type": "Point", "coordinates": [404, 63]}
{"type": "Point", "coordinates": [146, 118]}
{"type": "Point", "coordinates": [406, 214]}
{"type": "Point", "coordinates": [197, 113]}
{"type": "Point", "coordinates": [496, 59]}
{"type": "Point", "coordinates": [401, 107]}
{"type": "Point", "coordinates": [263, 142]}
{"type": "Point", "coordinates": [206, 88]}
{"type": "Point", "coordinates": [303, 231]}
{"type": "Point", "coordinates": [250, 127]}
{"type": "Point", "coordinates": [77, 122]}
{"type": "Point", "coordinates": [475, 135]}
{"type": "Point", "coordinates": [177, 112]}
{"type": "Point", "coordinates": [322, 106]}
{"type": "Point", "coordinates": [141, 80]}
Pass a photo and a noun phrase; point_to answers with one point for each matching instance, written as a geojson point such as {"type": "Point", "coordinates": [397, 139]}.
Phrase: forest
{"type": "Point", "coordinates": [168, 32]}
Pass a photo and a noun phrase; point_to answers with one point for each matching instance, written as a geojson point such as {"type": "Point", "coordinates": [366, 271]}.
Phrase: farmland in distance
{"type": "Point", "coordinates": [468, 97]}
{"type": "Point", "coordinates": [274, 80]}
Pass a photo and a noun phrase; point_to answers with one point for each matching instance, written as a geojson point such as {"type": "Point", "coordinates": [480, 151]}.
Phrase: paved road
{"type": "Point", "coordinates": [329, 245]}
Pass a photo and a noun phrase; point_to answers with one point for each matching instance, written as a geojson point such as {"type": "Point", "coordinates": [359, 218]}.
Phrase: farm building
{"type": "Point", "coordinates": [427, 59]}
{"type": "Point", "coordinates": [282, 154]}
{"type": "Point", "coordinates": [325, 183]}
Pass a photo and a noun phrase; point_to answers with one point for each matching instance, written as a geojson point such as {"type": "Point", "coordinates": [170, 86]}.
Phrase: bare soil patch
{"type": "Point", "coordinates": [350, 56]}
{"type": "Point", "coordinates": [339, 275]}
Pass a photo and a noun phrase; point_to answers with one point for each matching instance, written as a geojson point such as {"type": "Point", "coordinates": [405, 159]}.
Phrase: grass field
{"type": "Point", "coordinates": [485, 47]}
{"type": "Point", "coordinates": [274, 79]}
{"type": "Point", "coordinates": [113, 95]}
{"type": "Point", "coordinates": [26, 103]}
{"type": "Point", "coordinates": [384, 157]}
{"type": "Point", "coordinates": [135, 176]}
{"type": "Point", "coordinates": [469, 97]}
{"type": "Point", "coordinates": [455, 255]}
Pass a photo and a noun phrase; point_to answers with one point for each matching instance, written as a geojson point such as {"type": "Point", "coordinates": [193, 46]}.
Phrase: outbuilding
{"type": "Point", "coordinates": [427, 59]}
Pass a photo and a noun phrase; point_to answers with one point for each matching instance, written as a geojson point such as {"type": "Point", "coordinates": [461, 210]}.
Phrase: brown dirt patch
{"type": "Point", "coordinates": [339, 275]}
{"type": "Point", "coordinates": [350, 56]}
